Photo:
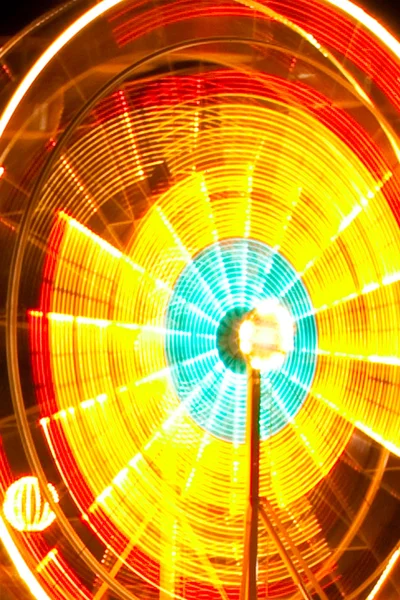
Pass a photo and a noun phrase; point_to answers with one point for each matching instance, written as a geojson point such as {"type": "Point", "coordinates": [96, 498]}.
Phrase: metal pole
{"type": "Point", "coordinates": [248, 590]}
{"type": "Point", "coordinates": [284, 555]}
{"type": "Point", "coordinates": [249, 574]}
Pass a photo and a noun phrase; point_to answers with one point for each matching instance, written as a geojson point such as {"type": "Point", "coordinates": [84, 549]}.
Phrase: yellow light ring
{"type": "Point", "coordinates": [142, 310]}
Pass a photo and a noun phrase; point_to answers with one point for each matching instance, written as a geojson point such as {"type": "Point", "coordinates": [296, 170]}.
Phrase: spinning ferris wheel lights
{"type": "Point", "coordinates": [180, 196]}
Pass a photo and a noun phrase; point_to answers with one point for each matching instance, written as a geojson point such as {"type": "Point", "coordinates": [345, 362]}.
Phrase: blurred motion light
{"type": "Point", "coordinates": [266, 335]}
{"type": "Point", "coordinates": [222, 181]}
{"type": "Point", "coordinates": [386, 572]}
{"type": "Point", "coordinates": [24, 507]}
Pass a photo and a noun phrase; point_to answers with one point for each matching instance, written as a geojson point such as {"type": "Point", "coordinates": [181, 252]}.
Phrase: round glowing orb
{"type": "Point", "coordinates": [24, 507]}
{"type": "Point", "coordinates": [267, 335]}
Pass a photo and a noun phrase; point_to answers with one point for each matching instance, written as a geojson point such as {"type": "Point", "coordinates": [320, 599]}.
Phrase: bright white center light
{"type": "Point", "coordinates": [267, 335]}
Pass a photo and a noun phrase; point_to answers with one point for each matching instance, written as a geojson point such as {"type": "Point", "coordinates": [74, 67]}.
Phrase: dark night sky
{"type": "Point", "coordinates": [21, 12]}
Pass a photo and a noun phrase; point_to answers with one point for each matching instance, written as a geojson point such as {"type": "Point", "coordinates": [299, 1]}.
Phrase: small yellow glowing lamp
{"type": "Point", "coordinates": [25, 509]}
{"type": "Point", "coordinates": [266, 335]}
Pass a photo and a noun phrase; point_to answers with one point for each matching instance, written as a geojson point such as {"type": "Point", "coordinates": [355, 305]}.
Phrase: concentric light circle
{"type": "Point", "coordinates": [232, 277]}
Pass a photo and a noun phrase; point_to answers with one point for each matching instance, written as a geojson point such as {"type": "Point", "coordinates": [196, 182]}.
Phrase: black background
{"type": "Point", "coordinates": [15, 14]}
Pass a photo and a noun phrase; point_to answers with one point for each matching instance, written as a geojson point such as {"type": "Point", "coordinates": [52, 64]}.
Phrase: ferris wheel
{"type": "Point", "coordinates": [168, 168]}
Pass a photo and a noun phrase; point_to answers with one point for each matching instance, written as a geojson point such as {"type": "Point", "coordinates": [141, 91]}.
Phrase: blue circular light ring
{"type": "Point", "coordinates": [236, 273]}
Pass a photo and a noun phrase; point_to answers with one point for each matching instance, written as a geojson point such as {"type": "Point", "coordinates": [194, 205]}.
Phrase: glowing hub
{"type": "Point", "coordinates": [211, 298]}
{"type": "Point", "coordinates": [267, 335]}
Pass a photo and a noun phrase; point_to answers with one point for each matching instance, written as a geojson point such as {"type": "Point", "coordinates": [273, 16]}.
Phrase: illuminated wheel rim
{"type": "Point", "coordinates": [127, 417]}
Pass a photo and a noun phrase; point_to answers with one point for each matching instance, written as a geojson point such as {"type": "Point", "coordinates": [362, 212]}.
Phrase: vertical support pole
{"type": "Point", "coordinates": [249, 574]}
